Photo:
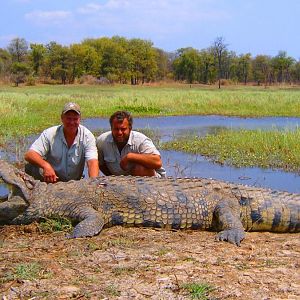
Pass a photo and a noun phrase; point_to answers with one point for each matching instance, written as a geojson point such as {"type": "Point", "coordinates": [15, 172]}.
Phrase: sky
{"type": "Point", "coordinates": [247, 26]}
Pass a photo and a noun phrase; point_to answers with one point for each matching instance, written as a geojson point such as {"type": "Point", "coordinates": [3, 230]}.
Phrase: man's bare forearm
{"type": "Point", "coordinates": [150, 161]}
{"type": "Point", "coordinates": [93, 167]}
{"type": "Point", "coordinates": [36, 159]}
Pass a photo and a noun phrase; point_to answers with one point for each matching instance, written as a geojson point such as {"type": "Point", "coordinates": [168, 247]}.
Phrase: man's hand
{"type": "Point", "coordinates": [36, 159]}
{"type": "Point", "coordinates": [49, 174]}
{"type": "Point", "coordinates": [124, 162]}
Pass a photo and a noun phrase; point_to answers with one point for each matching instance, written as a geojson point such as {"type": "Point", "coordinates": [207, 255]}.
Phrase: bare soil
{"type": "Point", "coordinates": [143, 263]}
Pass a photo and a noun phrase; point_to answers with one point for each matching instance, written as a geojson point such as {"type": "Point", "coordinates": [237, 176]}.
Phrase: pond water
{"type": "Point", "coordinates": [168, 127]}
{"type": "Point", "coordinates": [179, 164]}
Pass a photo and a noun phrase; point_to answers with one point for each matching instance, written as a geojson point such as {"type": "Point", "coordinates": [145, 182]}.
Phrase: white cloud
{"type": "Point", "coordinates": [151, 17]}
{"type": "Point", "coordinates": [90, 8]}
{"type": "Point", "coordinates": [42, 17]}
{"type": "Point", "coordinates": [148, 11]}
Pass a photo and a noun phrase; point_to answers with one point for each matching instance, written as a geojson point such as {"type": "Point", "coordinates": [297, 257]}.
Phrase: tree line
{"type": "Point", "coordinates": [137, 61]}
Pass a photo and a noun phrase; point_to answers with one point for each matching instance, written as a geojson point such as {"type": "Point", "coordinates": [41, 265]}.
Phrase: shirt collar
{"type": "Point", "coordinates": [130, 139]}
{"type": "Point", "coordinates": [62, 136]}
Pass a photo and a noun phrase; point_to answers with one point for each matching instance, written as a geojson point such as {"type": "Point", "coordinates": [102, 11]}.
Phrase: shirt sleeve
{"type": "Point", "coordinates": [147, 147]}
{"type": "Point", "coordinates": [90, 147]}
{"type": "Point", "coordinates": [41, 145]}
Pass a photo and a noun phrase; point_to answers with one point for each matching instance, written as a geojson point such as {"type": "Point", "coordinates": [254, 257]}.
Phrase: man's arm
{"type": "Point", "coordinates": [93, 167]}
{"type": "Point", "coordinates": [36, 159]}
{"type": "Point", "coordinates": [150, 161]}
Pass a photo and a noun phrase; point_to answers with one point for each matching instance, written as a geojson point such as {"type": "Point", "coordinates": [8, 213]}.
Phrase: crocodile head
{"type": "Point", "coordinates": [19, 186]}
{"type": "Point", "coordinates": [19, 180]}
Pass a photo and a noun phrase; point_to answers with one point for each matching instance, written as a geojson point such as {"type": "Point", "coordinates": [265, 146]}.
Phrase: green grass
{"type": "Point", "coordinates": [246, 148]}
{"type": "Point", "coordinates": [26, 110]}
{"type": "Point", "coordinates": [122, 271]}
{"type": "Point", "coordinates": [198, 290]}
{"type": "Point", "coordinates": [112, 290]}
{"type": "Point", "coordinates": [55, 224]}
{"type": "Point", "coordinates": [26, 271]}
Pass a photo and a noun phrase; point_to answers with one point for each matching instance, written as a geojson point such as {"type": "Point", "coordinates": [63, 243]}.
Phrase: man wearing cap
{"type": "Point", "coordinates": [60, 152]}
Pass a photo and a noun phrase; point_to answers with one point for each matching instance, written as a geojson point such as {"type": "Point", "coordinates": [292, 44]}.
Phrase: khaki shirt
{"type": "Point", "coordinates": [109, 154]}
{"type": "Point", "coordinates": [68, 163]}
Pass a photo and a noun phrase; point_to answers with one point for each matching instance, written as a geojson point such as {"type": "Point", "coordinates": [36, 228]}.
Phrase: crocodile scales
{"type": "Point", "coordinates": [187, 203]}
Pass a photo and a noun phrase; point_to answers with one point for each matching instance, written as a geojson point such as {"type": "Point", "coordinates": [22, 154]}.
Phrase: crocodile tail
{"type": "Point", "coordinates": [271, 211]}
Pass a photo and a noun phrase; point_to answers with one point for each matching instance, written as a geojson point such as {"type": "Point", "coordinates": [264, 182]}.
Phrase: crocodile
{"type": "Point", "coordinates": [172, 203]}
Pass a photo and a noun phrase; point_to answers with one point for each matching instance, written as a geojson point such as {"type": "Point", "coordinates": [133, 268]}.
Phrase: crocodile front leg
{"type": "Point", "coordinates": [90, 221]}
{"type": "Point", "coordinates": [91, 224]}
{"type": "Point", "coordinates": [227, 218]}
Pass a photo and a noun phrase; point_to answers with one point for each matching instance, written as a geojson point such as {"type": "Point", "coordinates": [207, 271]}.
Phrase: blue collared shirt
{"type": "Point", "coordinates": [68, 163]}
{"type": "Point", "coordinates": [108, 151]}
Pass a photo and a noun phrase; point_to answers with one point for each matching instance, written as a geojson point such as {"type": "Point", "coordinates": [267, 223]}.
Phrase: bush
{"type": "Point", "coordinates": [90, 79]}
{"type": "Point", "coordinates": [30, 81]}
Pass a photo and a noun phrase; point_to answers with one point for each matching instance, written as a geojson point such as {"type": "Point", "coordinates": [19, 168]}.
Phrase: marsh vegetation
{"type": "Point", "coordinates": [275, 149]}
{"type": "Point", "coordinates": [25, 111]}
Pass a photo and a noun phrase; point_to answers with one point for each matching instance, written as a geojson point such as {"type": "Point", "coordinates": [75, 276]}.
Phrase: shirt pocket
{"type": "Point", "coordinates": [110, 158]}
{"type": "Point", "coordinates": [113, 164]}
{"type": "Point", "coordinates": [76, 154]}
{"type": "Point", "coordinates": [57, 155]}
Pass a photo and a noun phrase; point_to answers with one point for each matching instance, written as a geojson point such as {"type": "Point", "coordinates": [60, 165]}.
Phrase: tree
{"type": "Point", "coordinates": [281, 64]}
{"type": "Point", "coordinates": [113, 57]}
{"type": "Point", "coordinates": [186, 65]}
{"type": "Point", "coordinates": [36, 56]}
{"type": "Point", "coordinates": [262, 71]}
{"type": "Point", "coordinates": [57, 62]}
{"type": "Point", "coordinates": [244, 66]}
{"type": "Point", "coordinates": [218, 48]}
{"type": "Point", "coordinates": [18, 49]}
{"type": "Point", "coordinates": [5, 62]}
{"type": "Point", "coordinates": [228, 69]}
{"type": "Point", "coordinates": [114, 64]}
{"type": "Point", "coordinates": [19, 71]}
{"type": "Point", "coordinates": [142, 61]}
{"type": "Point", "coordinates": [207, 67]}
{"type": "Point", "coordinates": [162, 61]}
{"type": "Point", "coordinates": [85, 61]}
{"type": "Point", "coordinates": [295, 72]}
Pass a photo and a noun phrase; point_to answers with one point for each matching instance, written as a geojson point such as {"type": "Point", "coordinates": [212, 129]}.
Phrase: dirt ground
{"type": "Point", "coordinates": [143, 263]}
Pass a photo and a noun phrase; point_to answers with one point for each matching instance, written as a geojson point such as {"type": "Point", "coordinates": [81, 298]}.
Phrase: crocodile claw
{"type": "Point", "coordinates": [233, 236]}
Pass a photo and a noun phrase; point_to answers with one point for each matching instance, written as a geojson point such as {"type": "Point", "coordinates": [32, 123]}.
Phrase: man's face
{"type": "Point", "coordinates": [71, 121]}
{"type": "Point", "coordinates": [120, 131]}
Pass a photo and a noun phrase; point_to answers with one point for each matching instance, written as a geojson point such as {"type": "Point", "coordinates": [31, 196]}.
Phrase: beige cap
{"type": "Point", "coordinates": [71, 106]}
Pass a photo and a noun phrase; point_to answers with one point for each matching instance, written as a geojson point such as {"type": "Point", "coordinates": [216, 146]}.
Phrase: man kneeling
{"type": "Point", "coordinates": [123, 151]}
